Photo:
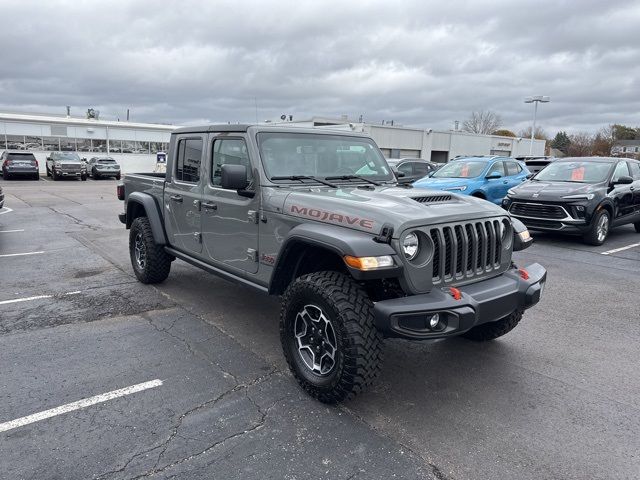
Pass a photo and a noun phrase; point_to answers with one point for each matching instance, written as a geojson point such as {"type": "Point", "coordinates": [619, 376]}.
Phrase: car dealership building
{"type": "Point", "coordinates": [134, 145]}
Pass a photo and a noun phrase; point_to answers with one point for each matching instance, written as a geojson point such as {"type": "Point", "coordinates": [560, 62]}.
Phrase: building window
{"type": "Point", "coordinates": [98, 145]}
{"type": "Point", "coordinates": [51, 144]}
{"type": "Point", "coordinates": [83, 144]}
{"type": "Point", "coordinates": [15, 142]}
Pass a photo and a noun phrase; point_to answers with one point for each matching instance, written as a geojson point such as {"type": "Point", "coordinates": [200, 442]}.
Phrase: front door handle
{"type": "Point", "coordinates": [632, 188]}
{"type": "Point", "coordinates": [176, 198]}
{"type": "Point", "coordinates": [209, 206]}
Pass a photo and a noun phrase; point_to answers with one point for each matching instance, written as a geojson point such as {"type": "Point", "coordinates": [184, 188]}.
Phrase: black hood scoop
{"type": "Point", "coordinates": [432, 199]}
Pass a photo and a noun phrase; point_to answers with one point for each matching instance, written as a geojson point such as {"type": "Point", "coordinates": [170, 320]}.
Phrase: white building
{"type": "Point", "coordinates": [133, 145]}
{"type": "Point", "coordinates": [437, 146]}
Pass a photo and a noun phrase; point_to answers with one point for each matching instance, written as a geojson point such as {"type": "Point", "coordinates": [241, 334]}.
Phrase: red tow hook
{"type": "Point", "coordinates": [455, 293]}
{"type": "Point", "coordinates": [523, 274]}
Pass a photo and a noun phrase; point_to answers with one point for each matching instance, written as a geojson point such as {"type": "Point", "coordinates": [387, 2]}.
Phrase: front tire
{"type": "Point", "coordinates": [83, 178]}
{"type": "Point", "coordinates": [151, 264]}
{"type": "Point", "coordinates": [54, 175]}
{"type": "Point", "coordinates": [599, 230]}
{"type": "Point", "coordinates": [493, 330]}
{"type": "Point", "coordinates": [328, 336]}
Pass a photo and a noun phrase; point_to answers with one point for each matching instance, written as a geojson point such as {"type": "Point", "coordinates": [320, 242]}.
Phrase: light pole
{"type": "Point", "coordinates": [535, 100]}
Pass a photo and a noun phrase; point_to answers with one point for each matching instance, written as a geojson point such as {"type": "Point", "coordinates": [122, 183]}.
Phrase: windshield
{"type": "Point", "coordinates": [460, 169]}
{"type": "Point", "coordinates": [286, 154]}
{"type": "Point", "coordinates": [66, 156]}
{"type": "Point", "coordinates": [576, 172]}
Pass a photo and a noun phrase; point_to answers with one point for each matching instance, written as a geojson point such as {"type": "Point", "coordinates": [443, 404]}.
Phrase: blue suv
{"type": "Point", "coordinates": [484, 177]}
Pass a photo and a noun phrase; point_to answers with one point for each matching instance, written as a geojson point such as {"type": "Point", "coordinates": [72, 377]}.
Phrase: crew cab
{"type": "Point", "coordinates": [584, 196]}
{"type": "Point", "coordinates": [318, 218]}
{"type": "Point", "coordinates": [66, 164]}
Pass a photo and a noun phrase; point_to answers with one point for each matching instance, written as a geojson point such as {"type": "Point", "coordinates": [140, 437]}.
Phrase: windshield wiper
{"type": "Point", "coordinates": [353, 177]}
{"type": "Point", "coordinates": [304, 177]}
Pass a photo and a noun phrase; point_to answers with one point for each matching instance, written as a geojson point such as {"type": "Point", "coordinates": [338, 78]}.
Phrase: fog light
{"type": "Point", "coordinates": [434, 321]}
{"type": "Point", "coordinates": [580, 208]}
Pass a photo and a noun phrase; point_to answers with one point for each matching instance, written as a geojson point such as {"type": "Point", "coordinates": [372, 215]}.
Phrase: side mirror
{"type": "Point", "coordinates": [233, 177]}
{"type": "Point", "coordinates": [493, 176]}
{"type": "Point", "coordinates": [623, 180]}
{"type": "Point", "coordinates": [400, 174]}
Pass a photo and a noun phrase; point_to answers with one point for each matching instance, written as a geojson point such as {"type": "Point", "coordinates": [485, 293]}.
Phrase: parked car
{"type": "Point", "coordinates": [411, 169]}
{"type": "Point", "coordinates": [317, 218]}
{"type": "Point", "coordinates": [19, 164]}
{"type": "Point", "coordinates": [535, 164]}
{"type": "Point", "coordinates": [66, 164]}
{"type": "Point", "coordinates": [488, 178]}
{"type": "Point", "coordinates": [99, 167]}
{"type": "Point", "coordinates": [585, 196]}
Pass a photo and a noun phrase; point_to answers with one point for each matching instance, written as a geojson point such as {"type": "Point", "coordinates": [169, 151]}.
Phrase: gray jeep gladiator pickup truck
{"type": "Point", "coordinates": [318, 218]}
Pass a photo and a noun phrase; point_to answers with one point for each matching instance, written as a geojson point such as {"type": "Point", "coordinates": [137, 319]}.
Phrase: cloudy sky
{"type": "Point", "coordinates": [422, 63]}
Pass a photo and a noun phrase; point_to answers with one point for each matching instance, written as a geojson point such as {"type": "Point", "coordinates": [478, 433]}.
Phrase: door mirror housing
{"type": "Point", "coordinates": [493, 176]}
{"type": "Point", "coordinates": [623, 180]}
{"type": "Point", "coordinates": [233, 177]}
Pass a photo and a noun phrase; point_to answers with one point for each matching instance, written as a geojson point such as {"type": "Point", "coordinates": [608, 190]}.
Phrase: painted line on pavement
{"type": "Point", "coordinates": [616, 250]}
{"type": "Point", "coordinates": [84, 403]}
{"type": "Point", "coordinates": [11, 231]}
{"type": "Point", "coordinates": [5, 210]}
{"type": "Point", "coordinates": [20, 254]}
{"type": "Point", "coordinates": [36, 297]}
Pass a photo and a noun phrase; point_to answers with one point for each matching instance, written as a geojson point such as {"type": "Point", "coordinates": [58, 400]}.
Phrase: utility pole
{"type": "Point", "coordinates": [535, 100]}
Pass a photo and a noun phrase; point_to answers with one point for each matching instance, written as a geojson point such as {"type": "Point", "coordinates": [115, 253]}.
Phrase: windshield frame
{"type": "Point", "coordinates": [262, 136]}
{"type": "Point", "coordinates": [558, 164]}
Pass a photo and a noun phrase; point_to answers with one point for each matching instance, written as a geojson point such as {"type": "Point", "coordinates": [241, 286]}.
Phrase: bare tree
{"type": "Point", "coordinates": [603, 141]}
{"type": "Point", "coordinates": [482, 122]}
{"type": "Point", "coordinates": [581, 145]}
{"type": "Point", "coordinates": [539, 134]}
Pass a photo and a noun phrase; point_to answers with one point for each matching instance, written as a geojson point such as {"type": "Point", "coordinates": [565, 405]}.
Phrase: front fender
{"type": "Point", "coordinates": [339, 240]}
{"type": "Point", "coordinates": [152, 212]}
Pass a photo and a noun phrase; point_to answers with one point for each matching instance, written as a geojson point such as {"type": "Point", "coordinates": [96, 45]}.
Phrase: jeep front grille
{"type": "Point", "coordinates": [432, 198]}
{"type": "Point", "coordinates": [466, 250]}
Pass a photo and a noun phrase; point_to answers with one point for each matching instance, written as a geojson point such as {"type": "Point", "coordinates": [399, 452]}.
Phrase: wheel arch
{"type": "Point", "coordinates": [314, 247]}
{"type": "Point", "coordinates": [144, 205]}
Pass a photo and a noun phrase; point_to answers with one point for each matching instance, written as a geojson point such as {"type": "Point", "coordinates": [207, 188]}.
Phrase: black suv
{"type": "Point", "coordinates": [587, 196]}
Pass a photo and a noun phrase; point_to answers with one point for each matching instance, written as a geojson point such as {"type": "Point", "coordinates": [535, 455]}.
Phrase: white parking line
{"type": "Point", "coordinates": [20, 254]}
{"type": "Point", "coordinates": [84, 403]}
{"type": "Point", "coordinates": [36, 297]}
{"type": "Point", "coordinates": [5, 210]}
{"type": "Point", "coordinates": [11, 231]}
{"type": "Point", "coordinates": [616, 250]}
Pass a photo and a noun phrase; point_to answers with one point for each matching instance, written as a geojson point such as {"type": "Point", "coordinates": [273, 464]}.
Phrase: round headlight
{"type": "Point", "coordinates": [410, 246]}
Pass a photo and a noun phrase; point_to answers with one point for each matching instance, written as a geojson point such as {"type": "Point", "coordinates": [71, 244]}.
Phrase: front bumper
{"type": "Point", "coordinates": [481, 302]}
{"type": "Point", "coordinates": [63, 173]}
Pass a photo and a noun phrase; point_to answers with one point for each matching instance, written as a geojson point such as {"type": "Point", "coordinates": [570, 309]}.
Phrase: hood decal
{"type": "Point", "coordinates": [331, 217]}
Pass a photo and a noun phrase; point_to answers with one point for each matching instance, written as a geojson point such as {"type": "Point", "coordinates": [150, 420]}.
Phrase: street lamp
{"type": "Point", "coordinates": [535, 100]}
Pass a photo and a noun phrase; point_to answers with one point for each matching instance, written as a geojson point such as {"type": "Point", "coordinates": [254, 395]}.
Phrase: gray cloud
{"type": "Point", "coordinates": [419, 63]}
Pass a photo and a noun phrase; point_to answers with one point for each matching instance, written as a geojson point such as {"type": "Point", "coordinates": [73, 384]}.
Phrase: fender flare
{"type": "Point", "coordinates": [339, 240]}
{"type": "Point", "coordinates": [152, 211]}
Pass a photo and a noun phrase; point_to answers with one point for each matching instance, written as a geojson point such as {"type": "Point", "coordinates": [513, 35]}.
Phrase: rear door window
{"type": "Point", "coordinates": [189, 160]}
{"type": "Point", "coordinates": [421, 168]}
{"type": "Point", "coordinates": [513, 168]}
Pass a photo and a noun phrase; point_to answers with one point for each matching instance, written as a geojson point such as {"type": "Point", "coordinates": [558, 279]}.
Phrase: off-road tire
{"type": "Point", "coordinates": [591, 237]}
{"type": "Point", "coordinates": [158, 262]}
{"type": "Point", "coordinates": [358, 357]}
{"type": "Point", "coordinates": [637, 226]}
{"type": "Point", "coordinates": [493, 330]}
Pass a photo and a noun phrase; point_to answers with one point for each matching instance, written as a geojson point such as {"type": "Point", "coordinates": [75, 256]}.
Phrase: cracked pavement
{"type": "Point", "coordinates": [556, 398]}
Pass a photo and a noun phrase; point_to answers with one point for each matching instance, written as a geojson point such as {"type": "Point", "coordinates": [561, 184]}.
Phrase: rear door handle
{"type": "Point", "coordinates": [176, 198]}
{"type": "Point", "coordinates": [209, 206]}
{"type": "Point", "coordinates": [632, 188]}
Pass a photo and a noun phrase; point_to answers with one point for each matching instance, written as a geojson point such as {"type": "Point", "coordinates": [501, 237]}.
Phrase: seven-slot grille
{"type": "Point", "coordinates": [538, 210]}
{"type": "Point", "coordinates": [466, 250]}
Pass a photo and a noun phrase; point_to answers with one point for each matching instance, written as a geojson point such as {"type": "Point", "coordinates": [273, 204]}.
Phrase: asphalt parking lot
{"type": "Point", "coordinates": [211, 397]}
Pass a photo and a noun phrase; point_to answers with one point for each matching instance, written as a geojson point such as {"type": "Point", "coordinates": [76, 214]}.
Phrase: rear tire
{"type": "Point", "coordinates": [36, 177]}
{"type": "Point", "coordinates": [599, 230]}
{"type": "Point", "coordinates": [493, 330]}
{"type": "Point", "coordinates": [7, 176]}
{"type": "Point", "coordinates": [151, 264]}
{"type": "Point", "coordinates": [48, 172]}
{"type": "Point", "coordinates": [324, 313]}
{"type": "Point", "coordinates": [637, 226]}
